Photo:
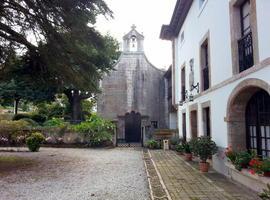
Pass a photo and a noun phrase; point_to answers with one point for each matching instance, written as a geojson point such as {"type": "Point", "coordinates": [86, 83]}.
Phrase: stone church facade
{"type": "Point", "coordinates": [133, 93]}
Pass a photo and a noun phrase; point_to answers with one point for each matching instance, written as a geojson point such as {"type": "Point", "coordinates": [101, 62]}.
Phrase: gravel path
{"type": "Point", "coordinates": [77, 174]}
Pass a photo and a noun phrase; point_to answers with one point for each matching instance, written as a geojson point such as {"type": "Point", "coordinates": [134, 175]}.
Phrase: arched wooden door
{"type": "Point", "coordinates": [133, 127]}
{"type": "Point", "coordinates": [258, 123]}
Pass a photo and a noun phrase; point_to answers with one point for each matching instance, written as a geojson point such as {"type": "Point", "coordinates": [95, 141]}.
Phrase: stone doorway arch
{"type": "Point", "coordinates": [236, 109]}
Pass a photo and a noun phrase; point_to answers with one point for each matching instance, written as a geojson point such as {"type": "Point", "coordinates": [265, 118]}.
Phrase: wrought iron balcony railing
{"type": "Point", "coordinates": [245, 50]}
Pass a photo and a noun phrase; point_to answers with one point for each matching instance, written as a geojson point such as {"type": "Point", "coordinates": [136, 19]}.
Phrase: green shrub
{"type": "Point", "coordinates": [14, 131]}
{"type": "Point", "coordinates": [54, 122]}
{"type": "Point", "coordinates": [153, 144]}
{"type": "Point", "coordinates": [95, 130]}
{"type": "Point", "coordinates": [51, 110]}
{"type": "Point", "coordinates": [186, 147]}
{"type": "Point", "coordinates": [30, 122]}
{"type": "Point", "coordinates": [6, 116]}
{"type": "Point", "coordinates": [242, 160]}
{"type": "Point", "coordinates": [34, 141]}
{"type": "Point", "coordinates": [266, 165]}
{"type": "Point", "coordinates": [21, 116]}
{"type": "Point", "coordinates": [8, 127]}
{"type": "Point", "coordinates": [265, 195]}
{"type": "Point", "coordinates": [203, 147]}
{"type": "Point", "coordinates": [180, 148]}
{"type": "Point", "coordinates": [38, 118]}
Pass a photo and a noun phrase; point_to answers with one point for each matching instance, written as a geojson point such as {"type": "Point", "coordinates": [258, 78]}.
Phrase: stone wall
{"type": "Point", "coordinates": [134, 85]}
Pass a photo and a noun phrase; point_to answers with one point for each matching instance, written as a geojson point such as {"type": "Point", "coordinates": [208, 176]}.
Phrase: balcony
{"type": "Point", "coordinates": [245, 50]}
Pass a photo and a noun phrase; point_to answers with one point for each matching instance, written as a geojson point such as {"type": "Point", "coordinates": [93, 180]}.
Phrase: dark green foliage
{"type": "Point", "coordinates": [96, 130]}
{"type": "Point", "coordinates": [34, 141]}
{"type": "Point", "coordinates": [35, 117]}
{"type": "Point", "coordinates": [265, 195]}
{"type": "Point", "coordinates": [31, 122]}
{"type": "Point", "coordinates": [21, 116]}
{"type": "Point", "coordinates": [19, 81]}
{"type": "Point", "coordinates": [203, 147]}
{"type": "Point", "coordinates": [266, 165]}
{"type": "Point", "coordinates": [153, 144]}
{"type": "Point", "coordinates": [180, 148]}
{"type": "Point", "coordinates": [54, 122]}
{"type": "Point", "coordinates": [242, 159]}
{"type": "Point", "coordinates": [38, 118]}
{"type": "Point", "coordinates": [65, 53]}
{"type": "Point", "coordinates": [186, 147]}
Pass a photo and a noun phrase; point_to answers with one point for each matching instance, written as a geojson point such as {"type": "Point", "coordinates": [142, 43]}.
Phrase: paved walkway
{"type": "Point", "coordinates": [183, 182]}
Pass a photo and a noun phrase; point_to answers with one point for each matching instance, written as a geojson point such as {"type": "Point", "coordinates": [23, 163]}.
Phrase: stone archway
{"type": "Point", "coordinates": [236, 108]}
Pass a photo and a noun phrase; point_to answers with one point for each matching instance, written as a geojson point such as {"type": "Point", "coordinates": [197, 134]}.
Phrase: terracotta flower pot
{"type": "Point", "coordinates": [204, 166]}
{"type": "Point", "coordinates": [180, 153]}
{"type": "Point", "coordinates": [188, 156]}
{"type": "Point", "coordinates": [267, 174]}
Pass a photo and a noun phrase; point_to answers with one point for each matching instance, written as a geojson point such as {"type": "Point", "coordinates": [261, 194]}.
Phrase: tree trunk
{"type": "Point", "coordinates": [75, 104]}
{"type": "Point", "coordinates": [16, 105]}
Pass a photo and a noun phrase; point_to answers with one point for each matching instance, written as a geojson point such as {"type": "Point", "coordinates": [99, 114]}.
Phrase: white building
{"type": "Point", "coordinates": [221, 72]}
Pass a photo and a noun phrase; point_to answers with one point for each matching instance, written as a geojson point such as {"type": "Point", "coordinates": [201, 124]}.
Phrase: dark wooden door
{"type": "Point", "coordinates": [133, 127]}
{"type": "Point", "coordinates": [258, 123]}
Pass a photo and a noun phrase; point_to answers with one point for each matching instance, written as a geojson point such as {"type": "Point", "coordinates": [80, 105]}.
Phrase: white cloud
{"type": "Point", "coordinates": [148, 16]}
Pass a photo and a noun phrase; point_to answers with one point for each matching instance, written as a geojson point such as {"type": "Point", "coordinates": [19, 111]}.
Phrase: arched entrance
{"type": "Point", "coordinates": [133, 127]}
{"type": "Point", "coordinates": [237, 117]}
{"type": "Point", "coordinates": [258, 123]}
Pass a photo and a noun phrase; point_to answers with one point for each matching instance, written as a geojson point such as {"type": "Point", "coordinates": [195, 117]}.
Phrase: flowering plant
{"type": "Point", "coordinates": [255, 166]}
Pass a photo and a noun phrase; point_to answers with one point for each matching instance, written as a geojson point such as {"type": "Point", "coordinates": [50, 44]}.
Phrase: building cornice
{"type": "Point", "coordinates": [168, 32]}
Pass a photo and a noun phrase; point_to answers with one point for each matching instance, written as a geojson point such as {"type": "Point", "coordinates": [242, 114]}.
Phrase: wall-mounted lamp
{"type": "Point", "coordinates": [197, 87]}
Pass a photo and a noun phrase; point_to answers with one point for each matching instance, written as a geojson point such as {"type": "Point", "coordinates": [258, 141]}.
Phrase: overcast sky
{"type": "Point", "coordinates": [148, 16]}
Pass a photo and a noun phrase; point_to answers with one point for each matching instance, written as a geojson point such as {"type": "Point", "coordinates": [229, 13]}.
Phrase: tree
{"type": "Point", "coordinates": [18, 81]}
{"type": "Point", "coordinates": [60, 39]}
{"type": "Point", "coordinates": [57, 33]}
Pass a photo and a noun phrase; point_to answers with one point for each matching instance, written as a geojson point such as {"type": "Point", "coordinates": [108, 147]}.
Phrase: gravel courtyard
{"type": "Point", "coordinates": [76, 174]}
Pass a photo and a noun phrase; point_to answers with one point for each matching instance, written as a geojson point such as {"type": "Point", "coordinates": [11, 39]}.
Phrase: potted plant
{"type": "Point", "coordinates": [204, 147]}
{"type": "Point", "coordinates": [266, 167]}
{"type": "Point", "coordinates": [242, 160]}
{"type": "Point", "coordinates": [173, 143]}
{"type": "Point", "coordinates": [179, 149]}
{"type": "Point", "coordinates": [255, 166]}
{"type": "Point", "coordinates": [187, 151]}
{"type": "Point", "coordinates": [153, 144]}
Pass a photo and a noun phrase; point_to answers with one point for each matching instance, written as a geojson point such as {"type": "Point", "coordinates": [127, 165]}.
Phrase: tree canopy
{"type": "Point", "coordinates": [61, 36]}
{"type": "Point", "coordinates": [59, 43]}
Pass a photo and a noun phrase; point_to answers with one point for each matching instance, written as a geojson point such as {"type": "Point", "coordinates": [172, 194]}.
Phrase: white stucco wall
{"type": "Point", "coordinates": [214, 17]}
{"type": "Point", "coordinates": [198, 22]}
{"type": "Point", "coordinates": [263, 25]}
